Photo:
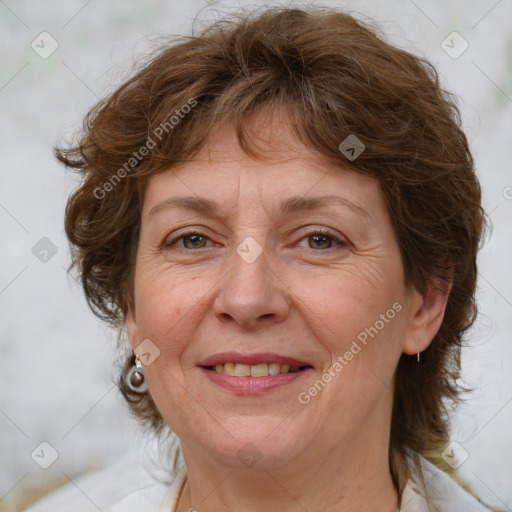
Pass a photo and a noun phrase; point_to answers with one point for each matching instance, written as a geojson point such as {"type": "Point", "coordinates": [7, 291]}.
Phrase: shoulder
{"type": "Point", "coordinates": [134, 483]}
{"type": "Point", "coordinates": [440, 493]}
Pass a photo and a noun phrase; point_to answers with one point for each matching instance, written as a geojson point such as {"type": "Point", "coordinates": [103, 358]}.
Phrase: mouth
{"type": "Point", "coordinates": [247, 374]}
{"type": "Point", "coordinates": [255, 370]}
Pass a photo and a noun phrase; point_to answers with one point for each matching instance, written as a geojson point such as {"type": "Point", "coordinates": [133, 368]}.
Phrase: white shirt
{"type": "Point", "coordinates": [136, 484]}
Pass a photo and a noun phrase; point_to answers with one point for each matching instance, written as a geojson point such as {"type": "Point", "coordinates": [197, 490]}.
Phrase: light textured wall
{"type": "Point", "coordinates": [56, 372]}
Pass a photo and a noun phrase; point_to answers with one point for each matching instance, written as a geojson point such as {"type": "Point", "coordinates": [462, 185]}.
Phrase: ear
{"type": "Point", "coordinates": [426, 315]}
{"type": "Point", "coordinates": [131, 328]}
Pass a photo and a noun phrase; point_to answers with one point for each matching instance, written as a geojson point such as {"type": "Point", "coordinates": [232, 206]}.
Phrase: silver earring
{"type": "Point", "coordinates": [418, 355]}
{"type": "Point", "coordinates": [135, 377]}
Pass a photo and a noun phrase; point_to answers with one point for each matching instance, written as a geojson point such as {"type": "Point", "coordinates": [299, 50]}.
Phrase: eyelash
{"type": "Point", "coordinates": [318, 231]}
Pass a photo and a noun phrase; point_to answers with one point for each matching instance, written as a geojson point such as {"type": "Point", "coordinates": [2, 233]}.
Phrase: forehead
{"type": "Point", "coordinates": [282, 167]}
{"type": "Point", "coordinates": [269, 135]}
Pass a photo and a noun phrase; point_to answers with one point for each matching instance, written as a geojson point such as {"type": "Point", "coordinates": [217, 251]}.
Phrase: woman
{"type": "Point", "coordinates": [283, 213]}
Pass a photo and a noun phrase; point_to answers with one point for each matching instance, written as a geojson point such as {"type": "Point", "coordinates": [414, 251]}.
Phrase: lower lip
{"type": "Point", "coordinates": [252, 385]}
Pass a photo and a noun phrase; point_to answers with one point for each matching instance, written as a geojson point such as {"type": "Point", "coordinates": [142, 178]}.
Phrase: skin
{"type": "Point", "coordinates": [304, 296]}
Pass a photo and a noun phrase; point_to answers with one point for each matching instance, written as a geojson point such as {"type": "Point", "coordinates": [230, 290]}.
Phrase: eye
{"type": "Point", "coordinates": [318, 239]}
{"type": "Point", "coordinates": [321, 240]}
{"type": "Point", "coordinates": [189, 240]}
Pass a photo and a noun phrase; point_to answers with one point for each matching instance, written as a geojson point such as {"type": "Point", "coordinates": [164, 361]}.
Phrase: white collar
{"type": "Point", "coordinates": [170, 503]}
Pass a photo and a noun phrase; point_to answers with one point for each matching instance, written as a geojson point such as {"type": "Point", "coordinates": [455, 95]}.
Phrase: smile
{"type": "Point", "coordinates": [255, 370]}
{"type": "Point", "coordinates": [253, 374]}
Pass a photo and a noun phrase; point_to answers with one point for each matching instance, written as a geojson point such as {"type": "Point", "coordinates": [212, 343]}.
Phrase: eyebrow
{"type": "Point", "coordinates": [293, 204]}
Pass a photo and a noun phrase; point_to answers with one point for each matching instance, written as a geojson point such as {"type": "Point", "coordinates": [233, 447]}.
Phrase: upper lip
{"type": "Point", "coordinates": [251, 359]}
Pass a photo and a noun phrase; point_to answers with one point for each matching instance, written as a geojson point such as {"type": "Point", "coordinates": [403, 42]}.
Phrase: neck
{"type": "Point", "coordinates": [350, 477]}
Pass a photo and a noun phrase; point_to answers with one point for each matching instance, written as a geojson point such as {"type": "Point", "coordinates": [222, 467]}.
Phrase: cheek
{"type": "Point", "coordinates": [360, 320]}
{"type": "Point", "coordinates": [161, 317]}
{"type": "Point", "coordinates": [349, 304]}
{"type": "Point", "coordinates": [163, 300]}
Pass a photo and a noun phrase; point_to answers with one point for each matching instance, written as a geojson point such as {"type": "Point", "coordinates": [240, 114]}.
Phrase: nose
{"type": "Point", "coordinates": [252, 294]}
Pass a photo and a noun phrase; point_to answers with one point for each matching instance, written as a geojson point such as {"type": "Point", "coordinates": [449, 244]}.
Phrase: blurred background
{"type": "Point", "coordinates": [56, 377]}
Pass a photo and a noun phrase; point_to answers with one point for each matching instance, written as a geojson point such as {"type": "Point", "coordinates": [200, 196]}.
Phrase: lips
{"type": "Point", "coordinates": [253, 374]}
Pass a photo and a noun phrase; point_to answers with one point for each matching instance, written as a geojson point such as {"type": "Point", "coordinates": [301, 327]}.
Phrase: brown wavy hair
{"type": "Point", "coordinates": [334, 76]}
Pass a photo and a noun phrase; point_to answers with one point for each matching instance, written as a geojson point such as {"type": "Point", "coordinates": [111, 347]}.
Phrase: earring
{"type": "Point", "coordinates": [418, 355]}
{"type": "Point", "coordinates": [135, 377]}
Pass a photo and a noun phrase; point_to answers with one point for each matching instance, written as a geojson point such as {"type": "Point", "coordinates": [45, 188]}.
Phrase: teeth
{"type": "Point", "coordinates": [229, 368]}
{"type": "Point", "coordinates": [274, 368]}
{"type": "Point", "coordinates": [259, 370]}
{"type": "Point", "coordinates": [242, 370]}
{"type": "Point", "coordinates": [255, 370]}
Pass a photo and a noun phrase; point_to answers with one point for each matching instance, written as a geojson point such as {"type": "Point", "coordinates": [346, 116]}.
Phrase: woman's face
{"type": "Point", "coordinates": [246, 266]}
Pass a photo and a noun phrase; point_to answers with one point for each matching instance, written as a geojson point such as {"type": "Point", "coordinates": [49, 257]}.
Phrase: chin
{"type": "Point", "coordinates": [257, 442]}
